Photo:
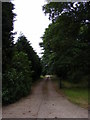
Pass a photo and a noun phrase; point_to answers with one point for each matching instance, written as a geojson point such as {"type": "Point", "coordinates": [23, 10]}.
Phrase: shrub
{"type": "Point", "coordinates": [17, 80]}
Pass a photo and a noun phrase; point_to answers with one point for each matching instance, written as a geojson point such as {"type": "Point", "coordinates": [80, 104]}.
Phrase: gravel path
{"type": "Point", "coordinates": [44, 102]}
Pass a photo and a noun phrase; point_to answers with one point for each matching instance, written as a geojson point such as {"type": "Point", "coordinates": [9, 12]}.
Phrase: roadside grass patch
{"type": "Point", "coordinates": [77, 95]}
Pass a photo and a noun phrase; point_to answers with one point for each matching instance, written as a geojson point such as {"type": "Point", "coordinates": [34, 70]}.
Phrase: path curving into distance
{"type": "Point", "coordinates": [44, 102]}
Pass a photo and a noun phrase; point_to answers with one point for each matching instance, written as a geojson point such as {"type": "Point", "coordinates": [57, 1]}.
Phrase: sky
{"type": "Point", "coordinates": [31, 21]}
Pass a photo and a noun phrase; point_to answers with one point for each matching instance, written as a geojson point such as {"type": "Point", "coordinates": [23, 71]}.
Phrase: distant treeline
{"type": "Point", "coordinates": [66, 41]}
{"type": "Point", "coordinates": [21, 65]}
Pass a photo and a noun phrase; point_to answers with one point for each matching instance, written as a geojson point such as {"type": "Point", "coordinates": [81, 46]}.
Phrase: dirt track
{"type": "Point", "coordinates": [44, 102]}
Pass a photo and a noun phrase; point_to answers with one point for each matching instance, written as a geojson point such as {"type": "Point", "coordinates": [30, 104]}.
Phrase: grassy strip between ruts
{"type": "Point", "coordinates": [76, 95]}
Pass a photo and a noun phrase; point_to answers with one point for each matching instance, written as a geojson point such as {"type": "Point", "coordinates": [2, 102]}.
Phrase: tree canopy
{"type": "Point", "coordinates": [23, 44]}
{"type": "Point", "coordinates": [66, 41]}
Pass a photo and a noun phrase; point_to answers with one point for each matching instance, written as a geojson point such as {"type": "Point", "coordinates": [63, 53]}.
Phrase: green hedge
{"type": "Point", "coordinates": [17, 80]}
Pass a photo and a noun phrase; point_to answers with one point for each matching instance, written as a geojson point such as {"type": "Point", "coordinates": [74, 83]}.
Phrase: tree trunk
{"type": "Point", "coordinates": [60, 84]}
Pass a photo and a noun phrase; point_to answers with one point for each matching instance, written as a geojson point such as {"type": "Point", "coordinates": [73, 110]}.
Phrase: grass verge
{"type": "Point", "coordinates": [77, 95]}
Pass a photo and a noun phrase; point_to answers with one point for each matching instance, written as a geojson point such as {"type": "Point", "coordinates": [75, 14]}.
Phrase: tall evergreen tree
{"type": "Point", "coordinates": [7, 34]}
{"type": "Point", "coordinates": [24, 45]}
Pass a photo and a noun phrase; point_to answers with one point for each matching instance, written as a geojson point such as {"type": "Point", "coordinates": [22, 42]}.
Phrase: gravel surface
{"type": "Point", "coordinates": [44, 102]}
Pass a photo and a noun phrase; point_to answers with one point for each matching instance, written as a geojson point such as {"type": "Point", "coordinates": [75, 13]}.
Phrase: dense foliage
{"type": "Point", "coordinates": [21, 64]}
{"type": "Point", "coordinates": [24, 45]}
{"type": "Point", "coordinates": [7, 34]}
{"type": "Point", "coordinates": [17, 80]}
{"type": "Point", "coordinates": [66, 41]}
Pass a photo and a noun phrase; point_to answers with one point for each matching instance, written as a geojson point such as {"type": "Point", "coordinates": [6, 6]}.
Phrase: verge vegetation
{"type": "Point", "coordinates": [75, 93]}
